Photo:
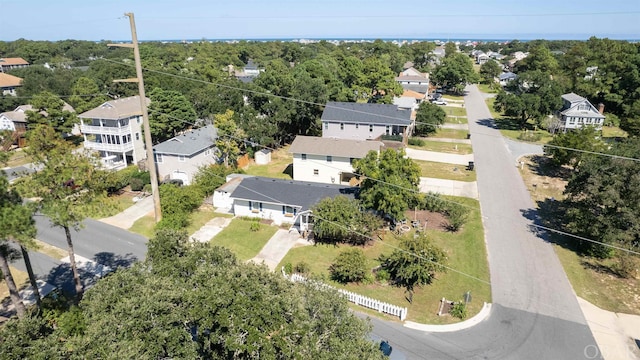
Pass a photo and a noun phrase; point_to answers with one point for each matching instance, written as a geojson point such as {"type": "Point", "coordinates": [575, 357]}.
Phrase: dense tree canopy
{"type": "Point", "coordinates": [455, 71]}
{"type": "Point", "coordinates": [428, 118]}
{"type": "Point", "coordinates": [169, 113]}
{"type": "Point", "coordinates": [341, 219]}
{"type": "Point", "coordinates": [562, 147]}
{"type": "Point", "coordinates": [49, 109]}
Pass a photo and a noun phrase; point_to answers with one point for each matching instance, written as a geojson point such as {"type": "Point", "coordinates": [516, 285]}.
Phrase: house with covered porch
{"type": "Point", "coordinates": [283, 201]}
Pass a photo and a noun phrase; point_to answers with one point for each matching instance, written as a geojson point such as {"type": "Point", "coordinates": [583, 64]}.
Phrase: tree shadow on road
{"type": "Point", "coordinates": [115, 261]}
{"type": "Point", "coordinates": [490, 123]}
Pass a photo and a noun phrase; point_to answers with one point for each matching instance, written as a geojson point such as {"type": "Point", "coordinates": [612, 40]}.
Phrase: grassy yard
{"type": "Point", "coordinates": [591, 278]}
{"type": "Point", "coordinates": [450, 97]}
{"type": "Point", "coordinates": [450, 134]}
{"type": "Point", "coordinates": [111, 206]}
{"type": "Point", "coordinates": [17, 158]}
{"type": "Point", "coordinates": [485, 88]}
{"type": "Point", "coordinates": [145, 226]}
{"type": "Point", "coordinates": [445, 171]}
{"type": "Point", "coordinates": [19, 277]}
{"type": "Point", "coordinates": [613, 132]}
{"type": "Point", "coordinates": [239, 238]}
{"type": "Point", "coordinates": [455, 111]}
{"type": "Point", "coordinates": [510, 127]}
{"type": "Point", "coordinates": [466, 254]}
{"type": "Point", "coordinates": [450, 148]}
{"type": "Point", "coordinates": [281, 165]}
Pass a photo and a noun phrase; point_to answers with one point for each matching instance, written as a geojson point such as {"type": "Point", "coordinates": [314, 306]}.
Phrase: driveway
{"type": "Point", "coordinates": [125, 219]}
{"type": "Point", "coordinates": [277, 247]}
{"type": "Point", "coordinates": [449, 187]}
{"type": "Point", "coordinates": [438, 156]}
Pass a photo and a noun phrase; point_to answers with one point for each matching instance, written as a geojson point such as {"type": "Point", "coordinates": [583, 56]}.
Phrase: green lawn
{"type": "Point", "coordinates": [445, 171]}
{"type": "Point", "coordinates": [450, 148]}
{"type": "Point", "coordinates": [450, 134]}
{"type": "Point", "coordinates": [17, 158]}
{"type": "Point", "coordinates": [485, 88]}
{"type": "Point", "coordinates": [239, 238]}
{"type": "Point", "coordinates": [466, 254]}
{"type": "Point", "coordinates": [613, 131]}
{"type": "Point", "coordinates": [111, 206]}
{"type": "Point", "coordinates": [510, 127]}
{"type": "Point", "coordinates": [281, 165]}
{"type": "Point", "coordinates": [454, 111]}
{"type": "Point", "coordinates": [452, 97]}
{"type": "Point", "coordinates": [456, 120]}
{"type": "Point", "coordinates": [145, 226]}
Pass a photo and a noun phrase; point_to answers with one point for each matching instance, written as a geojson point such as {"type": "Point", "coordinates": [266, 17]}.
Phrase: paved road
{"type": "Point", "coordinates": [14, 173]}
{"type": "Point", "coordinates": [535, 313]}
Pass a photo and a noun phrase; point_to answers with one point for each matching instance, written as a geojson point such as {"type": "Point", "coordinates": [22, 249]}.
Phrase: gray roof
{"type": "Point", "coordinates": [572, 98]}
{"type": "Point", "coordinates": [361, 113]}
{"type": "Point", "coordinates": [116, 109]}
{"type": "Point", "coordinates": [189, 143]}
{"type": "Point", "coordinates": [417, 88]}
{"type": "Point", "coordinates": [507, 75]}
{"type": "Point", "coordinates": [405, 102]}
{"type": "Point", "coordinates": [301, 194]}
{"type": "Point", "coordinates": [412, 78]}
{"type": "Point", "coordinates": [334, 147]}
{"type": "Point", "coordinates": [20, 113]}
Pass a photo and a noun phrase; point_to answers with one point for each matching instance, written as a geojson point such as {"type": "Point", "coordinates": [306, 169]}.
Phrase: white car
{"type": "Point", "coordinates": [439, 102]}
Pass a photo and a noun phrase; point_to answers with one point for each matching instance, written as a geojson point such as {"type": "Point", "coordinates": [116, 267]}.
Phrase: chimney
{"type": "Point", "coordinates": [601, 108]}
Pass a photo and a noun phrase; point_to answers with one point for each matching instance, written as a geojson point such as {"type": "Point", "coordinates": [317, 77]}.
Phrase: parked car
{"type": "Point", "coordinates": [439, 102]}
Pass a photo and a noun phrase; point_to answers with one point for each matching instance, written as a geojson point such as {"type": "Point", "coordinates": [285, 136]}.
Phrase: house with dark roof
{"type": "Point", "coordinates": [114, 129]}
{"type": "Point", "coordinates": [506, 77]}
{"type": "Point", "coordinates": [364, 121]}
{"type": "Point", "coordinates": [578, 112]}
{"type": "Point", "coordinates": [328, 160]}
{"type": "Point", "coordinates": [180, 157]}
{"type": "Point", "coordinates": [283, 201]}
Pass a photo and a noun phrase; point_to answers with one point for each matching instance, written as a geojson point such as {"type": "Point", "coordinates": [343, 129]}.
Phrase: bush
{"type": "Point", "coordinates": [349, 266]}
{"type": "Point", "coordinates": [432, 201]}
{"type": "Point", "coordinates": [458, 215]}
{"type": "Point", "coordinates": [459, 310]}
{"type": "Point", "coordinates": [288, 268]}
{"type": "Point", "coordinates": [302, 268]}
{"type": "Point", "coordinates": [255, 226]}
{"type": "Point", "coordinates": [383, 276]}
{"type": "Point", "coordinates": [143, 176]}
{"type": "Point", "coordinates": [136, 184]}
{"type": "Point", "coordinates": [416, 142]}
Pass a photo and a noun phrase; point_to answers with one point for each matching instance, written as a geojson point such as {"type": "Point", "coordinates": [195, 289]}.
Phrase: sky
{"type": "Point", "coordinates": [279, 19]}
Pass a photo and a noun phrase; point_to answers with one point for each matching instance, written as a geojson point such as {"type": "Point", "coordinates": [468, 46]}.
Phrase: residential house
{"type": "Point", "coordinates": [7, 64]}
{"type": "Point", "coordinates": [506, 77]}
{"type": "Point", "coordinates": [360, 121]}
{"type": "Point", "coordinates": [283, 201]}
{"type": "Point", "coordinates": [114, 129]}
{"type": "Point", "coordinates": [410, 71]}
{"type": "Point", "coordinates": [180, 157]}
{"type": "Point", "coordinates": [577, 112]}
{"type": "Point", "coordinates": [406, 102]}
{"type": "Point", "coordinates": [221, 198]}
{"type": "Point", "coordinates": [328, 160]}
{"type": "Point", "coordinates": [482, 58]}
{"type": "Point", "coordinates": [248, 73]}
{"type": "Point", "coordinates": [16, 122]}
{"type": "Point", "coordinates": [438, 54]}
{"type": "Point", "coordinates": [8, 84]}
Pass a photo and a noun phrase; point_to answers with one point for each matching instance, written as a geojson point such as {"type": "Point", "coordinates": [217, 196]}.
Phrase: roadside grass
{"type": "Point", "coordinates": [50, 250]}
{"type": "Point", "coordinates": [198, 218]}
{"type": "Point", "coordinates": [243, 242]}
{"type": "Point", "coordinates": [17, 158]}
{"type": "Point", "coordinates": [451, 97]}
{"type": "Point", "coordinates": [450, 148]}
{"type": "Point", "coordinates": [450, 134]}
{"type": "Point", "coordinates": [510, 127]}
{"type": "Point", "coordinates": [592, 279]}
{"type": "Point", "coordinates": [144, 226]}
{"type": "Point", "coordinates": [455, 111]}
{"type": "Point", "coordinates": [466, 253]}
{"type": "Point", "coordinates": [21, 278]}
{"type": "Point", "coordinates": [486, 88]}
{"type": "Point", "coordinates": [281, 165]}
{"type": "Point", "coordinates": [456, 120]}
{"type": "Point", "coordinates": [111, 206]}
{"type": "Point", "coordinates": [438, 170]}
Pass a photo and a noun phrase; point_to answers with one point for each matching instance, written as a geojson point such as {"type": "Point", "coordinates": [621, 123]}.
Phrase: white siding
{"type": "Point", "coordinates": [269, 211]}
{"type": "Point", "coordinates": [353, 131]}
{"type": "Point", "coordinates": [328, 172]}
{"type": "Point", "coordinates": [190, 166]}
{"type": "Point", "coordinates": [6, 124]}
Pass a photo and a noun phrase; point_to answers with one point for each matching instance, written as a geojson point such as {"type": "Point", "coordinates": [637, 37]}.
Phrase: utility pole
{"type": "Point", "coordinates": [151, 164]}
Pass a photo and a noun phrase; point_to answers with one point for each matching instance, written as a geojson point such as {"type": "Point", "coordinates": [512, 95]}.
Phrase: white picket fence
{"type": "Point", "coordinates": [367, 302]}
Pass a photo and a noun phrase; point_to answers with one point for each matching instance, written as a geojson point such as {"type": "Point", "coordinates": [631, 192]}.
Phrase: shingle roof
{"type": "Point", "coordinates": [572, 98]}
{"type": "Point", "coordinates": [116, 109]}
{"type": "Point", "coordinates": [411, 78]}
{"type": "Point", "coordinates": [405, 102]}
{"type": "Point", "coordinates": [20, 113]}
{"type": "Point", "coordinates": [417, 88]}
{"type": "Point", "coordinates": [365, 113]}
{"type": "Point", "coordinates": [13, 61]}
{"type": "Point", "coordinates": [189, 143]}
{"type": "Point", "coordinates": [7, 80]}
{"type": "Point", "coordinates": [507, 75]}
{"type": "Point", "coordinates": [334, 147]}
{"type": "Point", "coordinates": [301, 194]}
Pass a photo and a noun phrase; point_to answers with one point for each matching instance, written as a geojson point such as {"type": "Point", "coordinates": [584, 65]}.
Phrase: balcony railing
{"type": "Point", "coordinates": [110, 130]}
{"type": "Point", "coordinates": [108, 147]}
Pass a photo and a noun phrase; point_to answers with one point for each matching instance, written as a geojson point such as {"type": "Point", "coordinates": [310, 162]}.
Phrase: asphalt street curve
{"type": "Point", "coordinates": [535, 314]}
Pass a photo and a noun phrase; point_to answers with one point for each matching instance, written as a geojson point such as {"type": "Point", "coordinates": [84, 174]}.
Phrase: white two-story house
{"type": "Point", "coordinates": [359, 121]}
{"type": "Point", "coordinates": [181, 157]}
{"type": "Point", "coordinates": [328, 160]}
{"type": "Point", "coordinates": [114, 129]}
{"type": "Point", "coordinates": [578, 112]}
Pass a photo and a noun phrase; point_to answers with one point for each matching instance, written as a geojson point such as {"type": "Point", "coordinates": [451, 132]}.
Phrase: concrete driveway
{"type": "Point", "coordinates": [449, 187]}
{"type": "Point", "coordinates": [438, 157]}
{"type": "Point", "coordinates": [125, 219]}
{"type": "Point", "coordinates": [277, 247]}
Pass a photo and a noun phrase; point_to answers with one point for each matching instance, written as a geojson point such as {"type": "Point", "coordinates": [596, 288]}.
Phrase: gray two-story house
{"type": "Point", "coordinates": [360, 121]}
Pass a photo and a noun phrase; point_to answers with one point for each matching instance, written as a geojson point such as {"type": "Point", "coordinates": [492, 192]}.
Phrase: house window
{"type": "Point", "coordinates": [207, 152]}
{"type": "Point", "coordinates": [137, 136]}
{"type": "Point", "coordinates": [138, 119]}
{"type": "Point", "coordinates": [341, 126]}
{"type": "Point", "coordinates": [255, 206]}
{"type": "Point", "coordinates": [351, 160]}
{"type": "Point", "coordinates": [329, 158]}
{"type": "Point", "coordinates": [326, 126]}
{"type": "Point", "coordinates": [370, 128]}
{"type": "Point", "coordinates": [386, 130]}
{"type": "Point", "coordinates": [289, 211]}
{"type": "Point", "coordinates": [181, 158]}
{"type": "Point", "coordinates": [357, 126]}
{"type": "Point", "coordinates": [316, 172]}
{"type": "Point", "coordinates": [159, 158]}
{"type": "Point", "coordinates": [304, 156]}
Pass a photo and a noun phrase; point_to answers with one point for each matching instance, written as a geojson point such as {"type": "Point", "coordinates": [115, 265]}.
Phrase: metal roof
{"type": "Point", "coordinates": [189, 143]}
{"type": "Point", "coordinates": [365, 113]}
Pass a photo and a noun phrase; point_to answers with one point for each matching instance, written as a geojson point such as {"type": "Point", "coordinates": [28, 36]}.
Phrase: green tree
{"type": "Point", "coordinates": [489, 71]}
{"type": "Point", "coordinates": [603, 201]}
{"type": "Point", "coordinates": [428, 118]}
{"type": "Point", "coordinates": [86, 95]}
{"type": "Point", "coordinates": [230, 138]}
{"type": "Point", "coordinates": [562, 147]}
{"type": "Point", "coordinates": [169, 113]}
{"type": "Point", "coordinates": [48, 109]}
{"type": "Point", "coordinates": [450, 49]}
{"type": "Point", "coordinates": [341, 219]}
{"type": "Point", "coordinates": [349, 266]}
{"type": "Point", "coordinates": [539, 59]}
{"type": "Point", "coordinates": [455, 71]}
{"type": "Point", "coordinates": [177, 203]}
{"type": "Point", "coordinates": [389, 181]}
{"type": "Point", "coordinates": [380, 81]}
{"type": "Point", "coordinates": [67, 183]}
{"type": "Point", "coordinates": [210, 177]}
{"type": "Point", "coordinates": [415, 263]}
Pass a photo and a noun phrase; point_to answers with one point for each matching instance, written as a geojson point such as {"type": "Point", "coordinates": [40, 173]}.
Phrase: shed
{"type": "Point", "coordinates": [263, 157]}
